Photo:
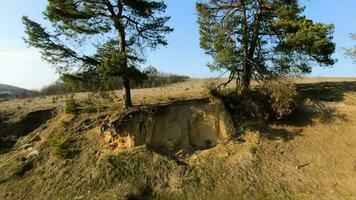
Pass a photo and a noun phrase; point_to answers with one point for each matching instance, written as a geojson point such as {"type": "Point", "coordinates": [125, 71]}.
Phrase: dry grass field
{"type": "Point", "coordinates": [310, 155]}
{"type": "Point", "coordinates": [191, 89]}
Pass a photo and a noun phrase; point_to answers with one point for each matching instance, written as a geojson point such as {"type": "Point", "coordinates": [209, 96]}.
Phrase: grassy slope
{"type": "Point", "coordinates": [310, 156]}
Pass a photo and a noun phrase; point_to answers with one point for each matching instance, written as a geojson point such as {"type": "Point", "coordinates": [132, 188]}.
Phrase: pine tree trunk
{"type": "Point", "coordinates": [126, 80]}
{"type": "Point", "coordinates": [246, 73]}
{"type": "Point", "coordinates": [246, 78]}
{"type": "Point", "coordinates": [238, 85]}
{"type": "Point", "coordinates": [127, 93]}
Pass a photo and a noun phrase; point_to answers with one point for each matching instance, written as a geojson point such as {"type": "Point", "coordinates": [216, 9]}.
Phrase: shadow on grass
{"type": "Point", "coordinates": [315, 102]}
{"type": "Point", "coordinates": [307, 112]}
{"type": "Point", "coordinates": [144, 193]}
{"type": "Point", "coordinates": [326, 91]}
{"type": "Point", "coordinates": [279, 133]}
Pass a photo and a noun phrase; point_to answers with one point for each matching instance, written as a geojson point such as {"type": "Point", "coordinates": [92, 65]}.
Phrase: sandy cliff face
{"type": "Point", "coordinates": [187, 126]}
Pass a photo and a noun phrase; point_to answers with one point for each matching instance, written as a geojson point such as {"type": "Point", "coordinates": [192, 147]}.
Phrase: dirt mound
{"type": "Point", "coordinates": [168, 129]}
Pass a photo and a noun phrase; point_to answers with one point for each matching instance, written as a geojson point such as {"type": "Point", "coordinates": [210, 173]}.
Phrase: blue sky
{"type": "Point", "coordinates": [23, 67]}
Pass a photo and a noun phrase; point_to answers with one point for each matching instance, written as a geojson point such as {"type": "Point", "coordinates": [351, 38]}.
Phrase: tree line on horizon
{"type": "Point", "coordinates": [250, 39]}
{"type": "Point", "coordinates": [154, 78]}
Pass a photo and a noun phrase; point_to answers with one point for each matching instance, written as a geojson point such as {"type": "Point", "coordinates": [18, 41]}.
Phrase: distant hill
{"type": "Point", "coordinates": [9, 92]}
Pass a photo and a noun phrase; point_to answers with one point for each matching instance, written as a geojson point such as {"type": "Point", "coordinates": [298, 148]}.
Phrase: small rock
{"type": "Point", "coordinates": [25, 147]}
{"type": "Point", "coordinates": [33, 153]}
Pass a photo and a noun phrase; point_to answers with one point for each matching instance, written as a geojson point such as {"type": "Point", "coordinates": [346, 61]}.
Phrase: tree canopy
{"type": "Point", "coordinates": [97, 40]}
{"type": "Point", "coordinates": [351, 52]}
{"type": "Point", "coordinates": [262, 38]}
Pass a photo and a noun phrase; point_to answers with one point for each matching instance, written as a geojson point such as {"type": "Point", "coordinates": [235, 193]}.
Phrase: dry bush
{"type": "Point", "coordinates": [219, 89]}
{"type": "Point", "coordinates": [271, 100]}
{"type": "Point", "coordinates": [211, 88]}
{"type": "Point", "coordinates": [280, 95]}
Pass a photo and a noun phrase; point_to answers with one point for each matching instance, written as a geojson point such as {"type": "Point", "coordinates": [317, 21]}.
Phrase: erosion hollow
{"type": "Point", "coordinates": [171, 128]}
{"type": "Point", "coordinates": [11, 131]}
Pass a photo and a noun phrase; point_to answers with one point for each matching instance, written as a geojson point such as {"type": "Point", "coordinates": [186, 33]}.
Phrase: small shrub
{"type": "Point", "coordinates": [72, 106]}
{"type": "Point", "coordinates": [281, 95]}
{"type": "Point", "coordinates": [88, 106]}
{"type": "Point", "coordinates": [57, 145]}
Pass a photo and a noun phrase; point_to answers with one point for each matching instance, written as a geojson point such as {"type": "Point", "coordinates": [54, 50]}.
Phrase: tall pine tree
{"type": "Point", "coordinates": [114, 32]}
{"type": "Point", "coordinates": [262, 38]}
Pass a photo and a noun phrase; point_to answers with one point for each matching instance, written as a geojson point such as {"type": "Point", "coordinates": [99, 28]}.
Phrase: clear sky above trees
{"type": "Point", "coordinates": [23, 67]}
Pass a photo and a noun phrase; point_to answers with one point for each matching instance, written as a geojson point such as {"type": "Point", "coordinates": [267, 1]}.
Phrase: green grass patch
{"type": "Point", "coordinates": [57, 144]}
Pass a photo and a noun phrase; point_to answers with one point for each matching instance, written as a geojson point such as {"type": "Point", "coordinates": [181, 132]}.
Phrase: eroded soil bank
{"type": "Point", "coordinates": [179, 126]}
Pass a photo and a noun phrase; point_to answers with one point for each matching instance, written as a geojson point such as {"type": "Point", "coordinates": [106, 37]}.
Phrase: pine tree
{"type": "Point", "coordinates": [351, 52]}
{"type": "Point", "coordinates": [97, 40]}
{"type": "Point", "coordinates": [262, 38]}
